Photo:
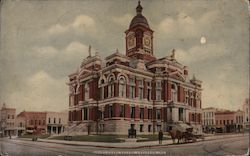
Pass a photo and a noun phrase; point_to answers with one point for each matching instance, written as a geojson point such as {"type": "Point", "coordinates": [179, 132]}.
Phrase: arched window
{"type": "Point", "coordinates": [86, 88]}
{"type": "Point", "coordinates": [111, 88]}
{"type": "Point", "coordinates": [174, 92]}
{"type": "Point", "coordinates": [122, 87]}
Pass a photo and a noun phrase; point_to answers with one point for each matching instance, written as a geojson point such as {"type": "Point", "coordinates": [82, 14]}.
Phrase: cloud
{"type": "Point", "coordinates": [123, 20]}
{"type": "Point", "coordinates": [57, 29]}
{"type": "Point", "coordinates": [201, 52]}
{"type": "Point", "coordinates": [38, 93]}
{"type": "Point", "coordinates": [185, 26]}
{"type": "Point", "coordinates": [44, 52]}
{"type": "Point", "coordinates": [82, 23]}
{"type": "Point", "coordinates": [75, 50]}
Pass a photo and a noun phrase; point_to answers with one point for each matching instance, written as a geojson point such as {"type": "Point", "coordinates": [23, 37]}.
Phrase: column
{"type": "Point", "coordinates": [175, 114]}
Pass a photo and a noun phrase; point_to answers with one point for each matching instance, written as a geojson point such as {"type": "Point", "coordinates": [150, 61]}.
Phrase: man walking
{"type": "Point", "coordinates": [160, 136]}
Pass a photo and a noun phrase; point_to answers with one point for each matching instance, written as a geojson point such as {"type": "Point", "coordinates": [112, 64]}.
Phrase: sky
{"type": "Point", "coordinates": [42, 42]}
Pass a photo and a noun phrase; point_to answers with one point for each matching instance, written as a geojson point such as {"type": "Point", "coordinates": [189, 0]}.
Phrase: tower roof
{"type": "Point", "coordinates": [139, 19]}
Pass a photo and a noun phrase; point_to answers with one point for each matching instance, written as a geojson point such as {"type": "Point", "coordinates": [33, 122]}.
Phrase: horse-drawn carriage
{"type": "Point", "coordinates": [184, 133]}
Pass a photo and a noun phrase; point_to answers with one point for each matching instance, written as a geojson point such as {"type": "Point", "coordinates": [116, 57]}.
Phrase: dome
{"type": "Point", "coordinates": [139, 19]}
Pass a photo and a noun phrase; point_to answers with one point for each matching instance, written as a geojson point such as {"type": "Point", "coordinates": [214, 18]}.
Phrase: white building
{"type": "Point", "coordinates": [246, 122]}
{"type": "Point", "coordinates": [208, 118]}
{"type": "Point", "coordinates": [56, 122]}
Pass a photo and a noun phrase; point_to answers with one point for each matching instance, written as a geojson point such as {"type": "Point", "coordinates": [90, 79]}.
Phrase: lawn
{"type": "Point", "coordinates": [93, 138]}
{"type": "Point", "coordinates": [150, 137]}
{"type": "Point", "coordinates": [109, 138]}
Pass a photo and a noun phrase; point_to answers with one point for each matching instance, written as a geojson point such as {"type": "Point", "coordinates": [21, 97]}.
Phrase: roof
{"type": "Point", "coordinates": [139, 19]}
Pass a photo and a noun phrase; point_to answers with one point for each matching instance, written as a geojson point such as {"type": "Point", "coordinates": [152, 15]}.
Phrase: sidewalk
{"type": "Point", "coordinates": [129, 144]}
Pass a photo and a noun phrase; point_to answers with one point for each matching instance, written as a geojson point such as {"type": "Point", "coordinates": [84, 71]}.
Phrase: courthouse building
{"type": "Point", "coordinates": [134, 89]}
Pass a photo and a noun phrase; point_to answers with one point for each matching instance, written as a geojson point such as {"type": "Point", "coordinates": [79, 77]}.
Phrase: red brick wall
{"type": "Point", "coordinates": [145, 113]}
{"type": "Point", "coordinates": [105, 91]}
{"type": "Point", "coordinates": [116, 110]}
{"type": "Point", "coordinates": [106, 111]}
{"type": "Point", "coordinates": [154, 113]}
{"type": "Point", "coordinates": [116, 90]}
{"type": "Point", "coordinates": [181, 97]}
{"type": "Point", "coordinates": [81, 93]}
{"type": "Point", "coordinates": [153, 92]}
{"type": "Point", "coordinates": [169, 90]}
{"type": "Point", "coordinates": [127, 90]}
{"type": "Point", "coordinates": [127, 111]}
{"type": "Point", "coordinates": [165, 90]}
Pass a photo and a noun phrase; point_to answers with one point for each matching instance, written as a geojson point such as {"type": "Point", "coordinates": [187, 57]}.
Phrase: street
{"type": "Point", "coordinates": [226, 146]}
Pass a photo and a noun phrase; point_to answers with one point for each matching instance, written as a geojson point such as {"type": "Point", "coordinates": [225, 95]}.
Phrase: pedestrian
{"type": "Point", "coordinates": [160, 136]}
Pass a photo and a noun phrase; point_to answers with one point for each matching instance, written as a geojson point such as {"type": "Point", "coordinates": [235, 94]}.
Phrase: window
{"type": "Point", "coordinates": [59, 120]}
{"type": "Point", "coordinates": [86, 87]}
{"type": "Point", "coordinates": [141, 128]}
{"type": "Point", "coordinates": [122, 111]}
{"type": "Point", "coordinates": [49, 120]}
{"type": "Point", "coordinates": [224, 122]}
{"type": "Point", "coordinates": [174, 92]}
{"type": "Point", "coordinates": [122, 87]}
{"type": "Point", "coordinates": [35, 122]}
{"type": "Point", "coordinates": [232, 121]}
{"type": "Point", "coordinates": [85, 113]}
{"type": "Point", "coordinates": [148, 94]}
{"type": "Point", "coordinates": [158, 84]}
{"type": "Point", "coordinates": [12, 116]}
{"type": "Point", "coordinates": [158, 114]}
{"type": "Point", "coordinates": [131, 92]}
{"type": "Point", "coordinates": [132, 88]}
{"type": "Point", "coordinates": [132, 112]}
{"type": "Point", "coordinates": [186, 100]}
{"type": "Point", "coordinates": [158, 94]}
{"type": "Point", "coordinates": [220, 122]}
{"type": "Point", "coordinates": [141, 113]}
{"type": "Point", "coordinates": [54, 120]}
{"type": "Point", "coordinates": [110, 111]}
{"type": "Point", "coordinates": [180, 114]}
{"type": "Point", "coordinates": [149, 128]}
{"type": "Point", "coordinates": [149, 113]}
{"type": "Point", "coordinates": [140, 93]}
{"type": "Point", "coordinates": [158, 128]}
{"type": "Point", "coordinates": [39, 122]}
{"type": "Point", "coordinates": [72, 100]}
{"type": "Point", "coordinates": [21, 124]}
{"type": "Point", "coordinates": [111, 88]}
{"type": "Point", "coordinates": [43, 122]}
{"type": "Point", "coordinates": [8, 116]}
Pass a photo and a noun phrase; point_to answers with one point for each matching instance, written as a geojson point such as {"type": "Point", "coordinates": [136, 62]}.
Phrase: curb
{"type": "Point", "coordinates": [132, 147]}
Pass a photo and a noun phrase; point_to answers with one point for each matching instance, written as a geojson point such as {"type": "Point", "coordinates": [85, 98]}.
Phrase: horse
{"type": "Point", "coordinates": [176, 134]}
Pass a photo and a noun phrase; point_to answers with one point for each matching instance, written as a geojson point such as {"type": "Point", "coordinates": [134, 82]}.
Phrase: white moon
{"type": "Point", "coordinates": [203, 40]}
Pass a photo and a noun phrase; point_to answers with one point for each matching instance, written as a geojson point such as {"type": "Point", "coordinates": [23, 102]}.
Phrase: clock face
{"type": "Point", "coordinates": [131, 42]}
{"type": "Point", "coordinates": [147, 42]}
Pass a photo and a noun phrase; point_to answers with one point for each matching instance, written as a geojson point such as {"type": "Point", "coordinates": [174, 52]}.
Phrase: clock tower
{"type": "Point", "coordinates": [139, 37]}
